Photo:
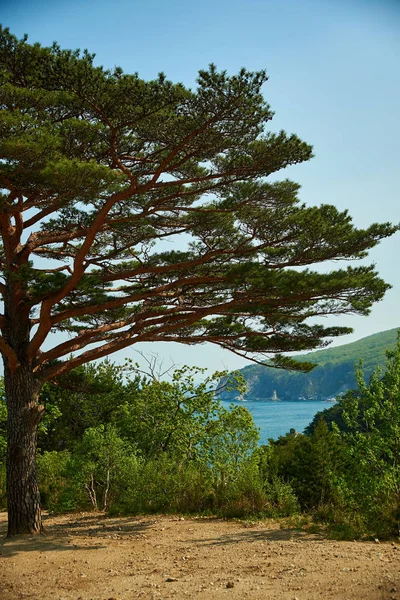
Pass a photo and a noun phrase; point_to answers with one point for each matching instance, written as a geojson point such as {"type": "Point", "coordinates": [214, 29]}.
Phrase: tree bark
{"type": "Point", "coordinates": [24, 414]}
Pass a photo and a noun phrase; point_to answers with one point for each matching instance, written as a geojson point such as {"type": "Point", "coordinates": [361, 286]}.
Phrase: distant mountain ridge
{"type": "Point", "coordinates": [333, 375]}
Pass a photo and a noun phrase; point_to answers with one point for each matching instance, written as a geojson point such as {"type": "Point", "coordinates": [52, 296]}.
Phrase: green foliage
{"type": "Point", "coordinates": [53, 480]}
{"type": "Point", "coordinates": [167, 486]}
{"type": "Point", "coordinates": [172, 447]}
{"type": "Point", "coordinates": [249, 493]}
{"type": "Point", "coordinates": [348, 473]}
{"type": "Point", "coordinates": [101, 165]}
{"type": "Point", "coordinates": [372, 417]}
{"type": "Point", "coordinates": [230, 440]}
{"type": "Point", "coordinates": [312, 465]}
{"type": "Point", "coordinates": [98, 470]}
{"type": "Point", "coordinates": [171, 416]}
{"type": "Point", "coordinates": [166, 446]}
{"type": "Point", "coordinates": [332, 416]}
{"type": "Point", "coordinates": [87, 397]}
{"type": "Point", "coordinates": [185, 419]}
{"type": "Point", "coordinates": [141, 445]}
{"type": "Point", "coordinates": [102, 463]}
{"type": "Point", "coordinates": [154, 485]}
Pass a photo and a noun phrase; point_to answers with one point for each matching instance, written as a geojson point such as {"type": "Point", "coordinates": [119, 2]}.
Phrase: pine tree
{"type": "Point", "coordinates": [98, 170]}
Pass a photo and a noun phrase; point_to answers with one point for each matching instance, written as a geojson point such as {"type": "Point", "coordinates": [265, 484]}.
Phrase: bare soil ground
{"type": "Point", "coordinates": [90, 557]}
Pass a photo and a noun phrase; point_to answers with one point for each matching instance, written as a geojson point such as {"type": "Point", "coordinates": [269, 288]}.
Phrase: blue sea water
{"type": "Point", "coordinates": [277, 418]}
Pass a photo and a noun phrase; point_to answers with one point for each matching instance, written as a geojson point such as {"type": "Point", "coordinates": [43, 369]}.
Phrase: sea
{"type": "Point", "coordinates": [277, 418]}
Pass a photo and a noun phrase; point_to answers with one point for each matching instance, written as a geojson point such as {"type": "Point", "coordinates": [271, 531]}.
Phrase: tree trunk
{"type": "Point", "coordinates": [24, 414]}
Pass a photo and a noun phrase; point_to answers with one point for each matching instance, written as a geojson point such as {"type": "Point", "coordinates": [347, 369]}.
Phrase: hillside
{"type": "Point", "coordinates": [333, 375]}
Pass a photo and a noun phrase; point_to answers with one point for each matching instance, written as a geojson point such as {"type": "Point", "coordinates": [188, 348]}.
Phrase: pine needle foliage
{"type": "Point", "coordinates": [97, 166]}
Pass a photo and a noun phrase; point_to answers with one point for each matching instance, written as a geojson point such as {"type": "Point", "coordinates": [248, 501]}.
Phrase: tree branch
{"type": "Point", "coordinates": [9, 354]}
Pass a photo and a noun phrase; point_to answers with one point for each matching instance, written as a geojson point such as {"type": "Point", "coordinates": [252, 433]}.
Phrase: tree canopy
{"type": "Point", "coordinates": [98, 166]}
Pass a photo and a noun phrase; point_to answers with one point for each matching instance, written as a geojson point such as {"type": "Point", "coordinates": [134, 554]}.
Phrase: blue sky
{"type": "Point", "coordinates": [334, 80]}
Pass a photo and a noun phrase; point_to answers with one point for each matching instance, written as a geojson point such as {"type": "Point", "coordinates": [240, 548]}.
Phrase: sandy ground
{"type": "Point", "coordinates": [90, 557]}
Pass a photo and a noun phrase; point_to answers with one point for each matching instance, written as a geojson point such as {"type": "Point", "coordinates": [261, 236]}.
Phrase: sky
{"type": "Point", "coordinates": [334, 80]}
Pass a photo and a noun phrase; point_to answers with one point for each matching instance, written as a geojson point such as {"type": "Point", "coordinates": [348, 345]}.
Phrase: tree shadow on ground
{"type": "Point", "coordinates": [250, 534]}
{"type": "Point", "coordinates": [88, 532]}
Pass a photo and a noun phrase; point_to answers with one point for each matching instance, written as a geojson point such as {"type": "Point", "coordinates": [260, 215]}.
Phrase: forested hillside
{"type": "Point", "coordinates": [333, 375]}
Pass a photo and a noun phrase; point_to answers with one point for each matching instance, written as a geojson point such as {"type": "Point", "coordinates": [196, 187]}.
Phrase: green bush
{"type": "Point", "coordinates": [312, 465]}
{"type": "Point", "coordinates": [163, 485]}
{"type": "Point", "coordinates": [53, 482]}
{"type": "Point", "coordinates": [249, 494]}
{"type": "Point", "coordinates": [372, 416]}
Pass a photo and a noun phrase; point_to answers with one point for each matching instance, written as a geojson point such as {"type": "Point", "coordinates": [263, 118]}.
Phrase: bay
{"type": "Point", "coordinates": [277, 418]}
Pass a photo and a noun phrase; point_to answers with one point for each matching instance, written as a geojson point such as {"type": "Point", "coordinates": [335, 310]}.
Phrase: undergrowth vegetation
{"type": "Point", "coordinates": [128, 444]}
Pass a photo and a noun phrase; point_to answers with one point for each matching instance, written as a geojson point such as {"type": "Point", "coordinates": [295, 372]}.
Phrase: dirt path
{"type": "Point", "coordinates": [89, 557]}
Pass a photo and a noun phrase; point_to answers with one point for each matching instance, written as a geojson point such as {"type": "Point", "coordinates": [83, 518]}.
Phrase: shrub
{"type": "Point", "coordinates": [52, 474]}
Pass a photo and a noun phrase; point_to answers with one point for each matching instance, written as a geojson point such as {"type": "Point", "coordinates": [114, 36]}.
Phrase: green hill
{"type": "Point", "coordinates": [333, 375]}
